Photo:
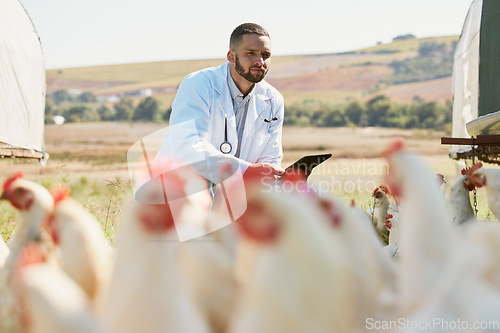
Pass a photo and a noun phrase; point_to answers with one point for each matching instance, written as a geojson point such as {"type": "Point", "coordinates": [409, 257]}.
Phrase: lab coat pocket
{"type": "Point", "coordinates": [262, 139]}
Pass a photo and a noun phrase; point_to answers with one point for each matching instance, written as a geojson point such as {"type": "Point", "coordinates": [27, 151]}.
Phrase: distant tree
{"type": "Point", "coordinates": [61, 96]}
{"type": "Point", "coordinates": [124, 109]}
{"type": "Point", "coordinates": [377, 109]}
{"type": "Point", "coordinates": [86, 97]}
{"type": "Point", "coordinates": [147, 110]}
{"type": "Point", "coordinates": [334, 118]}
{"type": "Point", "coordinates": [429, 49]}
{"type": "Point", "coordinates": [105, 113]}
{"type": "Point", "coordinates": [81, 113]}
{"type": "Point", "coordinates": [428, 115]}
{"type": "Point", "coordinates": [354, 111]}
{"type": "Point", "coordinates": [404, 37]}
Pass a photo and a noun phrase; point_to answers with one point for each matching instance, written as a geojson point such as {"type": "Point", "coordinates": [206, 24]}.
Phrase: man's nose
{"type": "Point", "coordinates": [260, 60]}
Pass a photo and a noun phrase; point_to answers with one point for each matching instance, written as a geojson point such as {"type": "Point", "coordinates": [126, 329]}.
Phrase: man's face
{"type": "Point", "coordinates": [253, 57]}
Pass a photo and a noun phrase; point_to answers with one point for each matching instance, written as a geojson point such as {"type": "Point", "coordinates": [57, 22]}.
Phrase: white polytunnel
{"type": "Point", "coordinates": [22, 84]}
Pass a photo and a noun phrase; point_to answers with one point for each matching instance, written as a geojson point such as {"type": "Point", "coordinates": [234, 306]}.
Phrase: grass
{"type": "Point", "coordinates": [104, 202]}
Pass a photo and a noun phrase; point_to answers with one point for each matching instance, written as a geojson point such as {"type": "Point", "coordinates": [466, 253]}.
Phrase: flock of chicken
{"type": "Point", "coordinates": [296, 261]}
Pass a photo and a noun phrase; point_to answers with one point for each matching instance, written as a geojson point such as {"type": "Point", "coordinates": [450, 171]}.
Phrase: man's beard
{"type": "Point", "coordinates": [254, 78]}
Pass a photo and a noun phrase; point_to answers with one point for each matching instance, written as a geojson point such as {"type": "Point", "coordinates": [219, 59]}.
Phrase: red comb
{"type": "Point", "coordinates": [382, 188]}
{"type": "Point", "coordinates": [469, 171]}
{"type": "Point", "coordinates": [59, 193]}
{"type": "Point", "coordinates": [395, 146]}
{"type": "Point", "coordinates": [11, 179]}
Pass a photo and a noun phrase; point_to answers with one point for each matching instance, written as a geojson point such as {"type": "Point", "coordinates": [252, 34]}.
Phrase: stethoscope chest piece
{"type": "Point", "coordinates": [225, 147]}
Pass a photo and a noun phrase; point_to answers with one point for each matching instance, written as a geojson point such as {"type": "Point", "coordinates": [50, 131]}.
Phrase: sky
{"type": "Point", "coordinates": [77, 33]}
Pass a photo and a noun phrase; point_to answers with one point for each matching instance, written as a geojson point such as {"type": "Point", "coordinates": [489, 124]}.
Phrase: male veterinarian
{"type": "Point", "coordinates": [229, 113]}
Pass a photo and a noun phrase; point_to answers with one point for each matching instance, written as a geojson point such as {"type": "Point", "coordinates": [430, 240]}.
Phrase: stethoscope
{"type": "Point", "coordinates": [225, 146]}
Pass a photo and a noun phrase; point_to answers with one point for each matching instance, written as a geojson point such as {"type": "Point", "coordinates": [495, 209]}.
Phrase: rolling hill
{"type": "Point", "coordinates": [331, 78]}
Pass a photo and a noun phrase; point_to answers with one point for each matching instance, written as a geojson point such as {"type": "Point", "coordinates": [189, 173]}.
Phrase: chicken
{"type": "Point", "coordinates": [297, 282]}
{"type": "Point", "coordinates": [148, 292]}
{"type": "Point", "coordinates": [50, 300]}
{"type": "Point", "coordinates": [469, 286]}
{"type": "Point", "coordinates": [427, 237]}
{"type": "Point", "coordinates": [34, 204]}
{"type": "Point", "coordinates": [85, 253]}
{"type": "Point", "coordinates": [4, 252]}
{"type": "Point", "coordinates": [392, 223]}
{"type": "Point", "coordinates": [208, 271]}
{"type": "Point", "coordinates": [459, 201]}
{"type": "Point", "coordinates": [383, 207]}
{"type": "Point", "coordinates": [371, 269]}
{"type": "Point", "coordinates": [490, 179]}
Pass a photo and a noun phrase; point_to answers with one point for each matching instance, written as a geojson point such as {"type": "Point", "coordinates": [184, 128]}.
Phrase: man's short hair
{"type": "Point", "coordinates": [243, 29]}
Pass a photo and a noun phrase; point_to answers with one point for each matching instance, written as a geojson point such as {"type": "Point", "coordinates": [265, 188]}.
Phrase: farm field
{"type": "Point", "coordinates": [329, 78]}
{"type": "Point", "coordinates": [91, 157]}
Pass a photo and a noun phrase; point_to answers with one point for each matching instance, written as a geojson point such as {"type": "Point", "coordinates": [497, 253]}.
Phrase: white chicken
{"type": "Point", "coordinates": [85, 253]}
{"type": "Point", "coordinates": [488, 178]}
{"type": "Point", "coordinates": [50, 300]}
{"type": "Point", "coordinates": [427, 237]}
{"type": "Point", "coordinates": [298, 280]}
{"type": "Point", "coordinates": [35, 204]}
{"type": "Point", "coordinates": [459, 201]}
{"type": "Point", "coordinates": [4, 252]}
{"type": "Point", "coordinates": [383, 207]}
{"type": "Point", "coordinates": [148, 292]}
{"type": "Point", "coordinates": [373, 271]}
{"type": "Point", "coordinates": [469, 287]}
{"type": "Point", "coordinates": [208, 271]}
{"type": "Point", "coordinates": [392, 223]}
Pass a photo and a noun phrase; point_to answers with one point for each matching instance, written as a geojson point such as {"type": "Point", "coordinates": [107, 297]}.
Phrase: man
{"type": "Point", "coordinates": [229, 114]}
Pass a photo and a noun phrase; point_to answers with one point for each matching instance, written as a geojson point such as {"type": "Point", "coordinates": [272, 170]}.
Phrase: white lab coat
{"type": "Point", "coordinates": [197, 124]}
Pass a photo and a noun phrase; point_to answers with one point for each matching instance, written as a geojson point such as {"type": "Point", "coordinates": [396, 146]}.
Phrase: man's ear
{"type": "Point", "coordinates": [231, 56]}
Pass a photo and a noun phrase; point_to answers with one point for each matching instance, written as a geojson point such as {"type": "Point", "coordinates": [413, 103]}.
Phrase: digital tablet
{"type": "Point", "coordinates": [307, 163]}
